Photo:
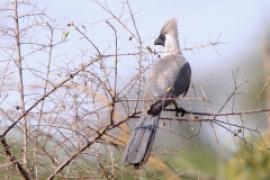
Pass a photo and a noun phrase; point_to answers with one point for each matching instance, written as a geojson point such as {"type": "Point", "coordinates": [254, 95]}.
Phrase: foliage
{"type": "Point", "coordinates": [249, 163]}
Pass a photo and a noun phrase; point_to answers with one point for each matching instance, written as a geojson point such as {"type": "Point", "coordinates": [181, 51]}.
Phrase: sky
{"type": "Point", "coordinates": [239, 24]}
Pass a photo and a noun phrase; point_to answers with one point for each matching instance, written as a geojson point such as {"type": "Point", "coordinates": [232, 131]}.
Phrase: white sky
{"type": "Point", "coordinates": [240, 23]}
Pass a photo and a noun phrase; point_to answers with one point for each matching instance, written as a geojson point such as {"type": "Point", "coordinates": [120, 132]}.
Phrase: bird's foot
{"type": "Point", "coordinates": [179, 110]}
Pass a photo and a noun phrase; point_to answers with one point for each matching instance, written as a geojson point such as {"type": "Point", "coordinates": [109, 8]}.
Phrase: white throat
{"type": "Point", "coordinates": [172, 45]}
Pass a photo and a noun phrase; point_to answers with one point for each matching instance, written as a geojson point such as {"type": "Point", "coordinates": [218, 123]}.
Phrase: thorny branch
{"type": "Point", "coordinates": [24, 173]}
{"type": "Point", "coordinates": [87, 145]}
{"type": "Point", "coordinates": [114, 97]}
{"type": "Point", "coordinates": [59, 85]}
{"type": "Point", "coordinates": [111, 126]}
{"type": "Point", "coordinates": [21, 77]}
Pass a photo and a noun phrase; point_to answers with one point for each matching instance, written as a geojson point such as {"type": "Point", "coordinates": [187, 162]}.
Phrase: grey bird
{"type": "Point", "coordinates": [167, 79]}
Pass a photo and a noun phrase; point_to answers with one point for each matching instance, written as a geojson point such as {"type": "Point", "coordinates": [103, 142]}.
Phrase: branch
{"type": "Point", "coordinates": [21, 82]}
{"type": "Point", "coordinates": [88, 144]}
{"type": "Point", "coordinates": [24, 173]}
{"type": "Point", "coordinates": [71, 76]}
{"type": "Point", "coordinates": [114, 97]}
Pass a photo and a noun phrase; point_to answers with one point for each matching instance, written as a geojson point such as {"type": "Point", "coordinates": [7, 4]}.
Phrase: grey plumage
{"type": "Point", "coordinates": [169, 77]}
{"type": "Point", "coordinates": [141, 141]}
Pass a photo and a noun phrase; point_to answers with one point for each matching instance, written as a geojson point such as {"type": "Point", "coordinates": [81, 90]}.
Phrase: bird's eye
{"type": "Point", "coordinates": [162, 37]}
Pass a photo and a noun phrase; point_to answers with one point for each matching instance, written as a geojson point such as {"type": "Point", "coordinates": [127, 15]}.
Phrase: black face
{"type": "Point", "coordinates": [160, 40]}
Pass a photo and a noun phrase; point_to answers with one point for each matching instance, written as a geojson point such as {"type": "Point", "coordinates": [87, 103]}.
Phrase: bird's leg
{"type": "Point", "coordinates": [178, 109]}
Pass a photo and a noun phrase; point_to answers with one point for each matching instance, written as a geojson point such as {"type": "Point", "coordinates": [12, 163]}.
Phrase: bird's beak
{"type": "Point", "coordinates": [160, 41]}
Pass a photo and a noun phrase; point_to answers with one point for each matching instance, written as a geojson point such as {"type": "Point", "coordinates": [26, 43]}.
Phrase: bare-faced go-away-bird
{"type": "Point", "coordinates": [167, 79]}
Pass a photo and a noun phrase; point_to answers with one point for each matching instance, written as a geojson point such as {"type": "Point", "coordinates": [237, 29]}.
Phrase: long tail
{"type": "Point", "coordinates": [141, 141]}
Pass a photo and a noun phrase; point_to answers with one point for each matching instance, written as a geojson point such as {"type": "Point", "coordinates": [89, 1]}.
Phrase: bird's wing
{"type": "Point", "coordinates": [182, 80]}
{"type": "Point", "coordinates": [168, 78]}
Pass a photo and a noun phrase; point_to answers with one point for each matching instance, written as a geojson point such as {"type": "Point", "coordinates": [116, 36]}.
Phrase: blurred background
{"type": "Point", "coordinates": [228, 46]}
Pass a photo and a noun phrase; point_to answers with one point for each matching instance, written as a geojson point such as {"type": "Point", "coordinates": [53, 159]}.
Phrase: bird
{"type": "Point", "coordinates": [168, 78]}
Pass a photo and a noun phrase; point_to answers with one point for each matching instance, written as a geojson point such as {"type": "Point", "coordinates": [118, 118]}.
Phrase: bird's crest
{"type": "Point", "coordinates": [170, 27]}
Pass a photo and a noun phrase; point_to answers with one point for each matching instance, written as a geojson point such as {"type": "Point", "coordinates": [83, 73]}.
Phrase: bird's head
{"type": "Point", "coordinates": [167, 33]}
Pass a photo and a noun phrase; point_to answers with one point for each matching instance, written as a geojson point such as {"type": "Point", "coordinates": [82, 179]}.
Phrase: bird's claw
{"type": "Point", "coordinates": [182, 112]}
